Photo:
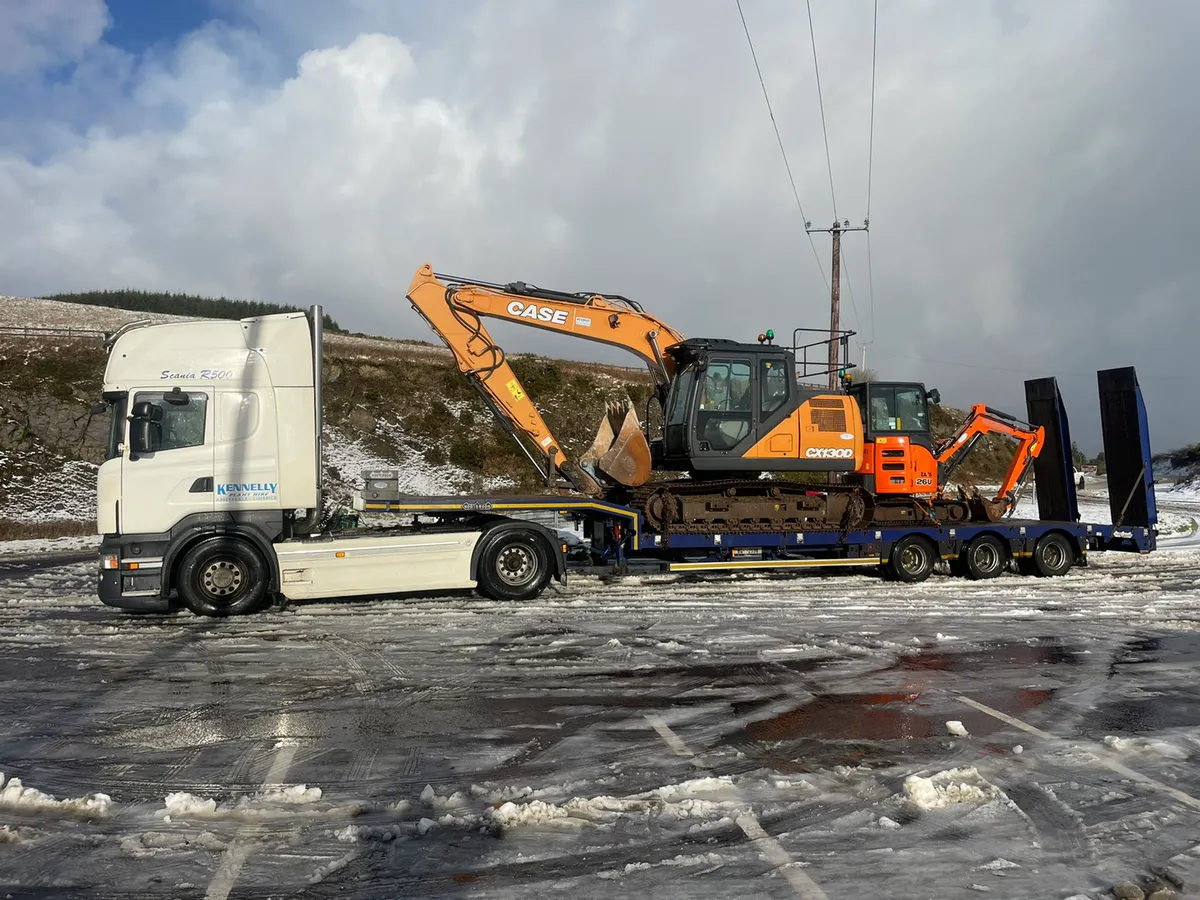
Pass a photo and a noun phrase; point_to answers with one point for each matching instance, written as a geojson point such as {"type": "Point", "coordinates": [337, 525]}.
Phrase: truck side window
{"type": "Point", "coordinates": [182, 424]}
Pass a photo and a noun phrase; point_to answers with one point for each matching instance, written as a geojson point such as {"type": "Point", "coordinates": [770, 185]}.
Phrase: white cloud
{"type": "Point", "coordinates": [624, 147]}
{"type": "Point", "coordinates": [39, 34]}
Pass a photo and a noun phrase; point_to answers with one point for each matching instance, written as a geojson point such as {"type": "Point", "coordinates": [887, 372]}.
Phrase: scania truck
{"type": "Point", "coordinates": [211, 495]}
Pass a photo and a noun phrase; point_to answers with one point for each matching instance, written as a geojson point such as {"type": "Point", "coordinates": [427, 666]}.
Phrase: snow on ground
{"type": "Point", "coordinates": [418, 477]}
{"type": "Point", "coordinates": [15, 794]}
{"type": "Point", "coordinates": [22, 312]}
{"type": "Point", "coordinates": [42, 547]}
{"type": "Point", "coordinates": [67, 493]}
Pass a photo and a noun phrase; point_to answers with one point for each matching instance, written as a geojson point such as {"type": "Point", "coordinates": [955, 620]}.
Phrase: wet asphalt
{"type": "Point", "coordinates": [809, 700]}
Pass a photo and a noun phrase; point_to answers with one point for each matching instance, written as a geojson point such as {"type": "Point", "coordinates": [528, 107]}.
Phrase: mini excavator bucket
{"type": "Point", "coordinates": [620, 450]}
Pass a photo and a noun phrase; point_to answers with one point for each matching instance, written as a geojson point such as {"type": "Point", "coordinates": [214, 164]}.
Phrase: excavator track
{"type": "Point", "coordinates": [763, 507]}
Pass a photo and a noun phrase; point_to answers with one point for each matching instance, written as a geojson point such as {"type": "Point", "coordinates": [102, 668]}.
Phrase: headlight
{"type": "Point", "coordinates": [110, 561]}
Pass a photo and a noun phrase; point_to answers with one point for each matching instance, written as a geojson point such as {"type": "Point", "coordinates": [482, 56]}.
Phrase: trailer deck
{"type": "Point", "coordinates": [622, 541]}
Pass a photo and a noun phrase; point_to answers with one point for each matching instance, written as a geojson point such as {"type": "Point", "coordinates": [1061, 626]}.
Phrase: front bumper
{"type": "Point", "coordinates": [137, 584]}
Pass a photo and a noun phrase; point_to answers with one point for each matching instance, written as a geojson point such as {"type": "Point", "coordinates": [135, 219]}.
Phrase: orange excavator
{"type": "Point", "coordinates": [731, 411]}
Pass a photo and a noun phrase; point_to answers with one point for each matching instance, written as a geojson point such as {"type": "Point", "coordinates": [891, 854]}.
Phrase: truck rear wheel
{"type": "Point", "coordinates": [1053, 555]}
{"type": "Point", "coordinates": [514, 565]}
{"type": "Point", "coordinates": [222, 576]}
{"type": "Point", "coordinates": [911, 559]}
{"type": "Point", "coordinates": [986, 557]}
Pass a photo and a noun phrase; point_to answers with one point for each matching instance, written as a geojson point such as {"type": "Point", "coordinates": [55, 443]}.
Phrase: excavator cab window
{"type": "Point", "coordinates": [892, 408]}
{"type": "Point", "coordinates": [724, 418]}
{"type": "Point", "coordinates": [773, 383]}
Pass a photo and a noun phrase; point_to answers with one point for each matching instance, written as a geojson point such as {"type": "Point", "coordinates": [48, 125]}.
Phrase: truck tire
{"type": "Point", "coordinates": [222, 576]}
{"type": "Point", "coordinates": [514, 565]}
{"type": "Point", "coordinates": [985, 557]}
{"type": "Point", "coordinates": [1053, 555]}
{"type": "Point", "coordinates": [911, 559]}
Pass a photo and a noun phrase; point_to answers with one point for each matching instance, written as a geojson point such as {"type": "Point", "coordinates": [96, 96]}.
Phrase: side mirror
{"type": "Point", "coordinates": [145, 436]}
{"type": "Point", "coordinates": [147, 411]}
{"type": "Point", "coordinates": [934, 396]}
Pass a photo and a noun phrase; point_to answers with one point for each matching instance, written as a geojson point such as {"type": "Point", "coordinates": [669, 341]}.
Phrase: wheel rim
{"type": "Point", "coordinates": [516, 565]}
{"type": "Point", "coordinates": [222, 579]}
{"type": "Point", "coordinates": [913, 558]}
{"type": "Point", "coordinates": [986, 557]}
{"type": "Point", "coordinates": [1054, 555]}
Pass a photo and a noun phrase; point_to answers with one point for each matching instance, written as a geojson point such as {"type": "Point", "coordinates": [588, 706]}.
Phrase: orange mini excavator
{"type": "Point", "coordinates": [731, 411]}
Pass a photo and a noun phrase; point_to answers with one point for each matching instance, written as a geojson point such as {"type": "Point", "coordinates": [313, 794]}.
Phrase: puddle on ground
{"type": "Point", "coordinates": [1045, 652]}
{"type": "Point", "coordinates": [849, 728]}
{"type": "Point", "coordinates": [890, 717]}
{"type": "Point", "coordinates": [1166, 648]}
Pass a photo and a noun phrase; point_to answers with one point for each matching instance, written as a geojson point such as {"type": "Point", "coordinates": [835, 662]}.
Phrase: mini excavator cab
{"type": "Point", "coordinates": [899, 448]}
{"type": "Point", "coordinates": [736, 407]}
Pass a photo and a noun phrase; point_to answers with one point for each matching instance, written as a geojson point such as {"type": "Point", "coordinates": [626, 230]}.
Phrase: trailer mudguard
{"type": "Point", "coordinates": [1127, 449]}
{"type": "Point", "coordinates": [1053, 469]}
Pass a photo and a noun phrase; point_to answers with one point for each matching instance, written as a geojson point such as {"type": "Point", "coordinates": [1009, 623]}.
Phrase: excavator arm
{"type": "Point", "coordinates": [454, 308]}
{"type": "Point", "coordinates": [985, 420]}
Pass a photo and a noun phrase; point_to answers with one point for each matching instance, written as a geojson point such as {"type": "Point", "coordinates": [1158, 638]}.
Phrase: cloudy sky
{"type": "Point", "coordinates": [1031, 204]}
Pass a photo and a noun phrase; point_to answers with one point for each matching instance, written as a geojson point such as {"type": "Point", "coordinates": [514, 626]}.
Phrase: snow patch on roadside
{"type": "Point", "coordinates": [68, 494]}
{"type": "Point", "coordinates": [351, 457]}
{"type": "Point", "coordinates": [49, 546]}
{"type": "Point", "coordinates": [15, 794]}
{"type": "Point", "coordinates": [699, 798]}
{"type": "Point", "coordinates": [272, 802]}
{"type": "Point", "coordinates": [1145, 747]}
{"type": "Point", "coordinates": [711, 860]}
{"type": "Point", "coordinates": [949, 788]}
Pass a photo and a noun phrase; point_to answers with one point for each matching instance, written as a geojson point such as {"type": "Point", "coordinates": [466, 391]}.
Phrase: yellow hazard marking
{"type": "Point", "coordinates": [514, 388]}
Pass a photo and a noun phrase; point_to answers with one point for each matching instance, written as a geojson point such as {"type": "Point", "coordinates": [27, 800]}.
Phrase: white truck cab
{"type": "Point", "coordinates": [211, 488]}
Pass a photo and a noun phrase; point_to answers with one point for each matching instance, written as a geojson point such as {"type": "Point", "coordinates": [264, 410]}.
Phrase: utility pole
{"type": "Point", "coordinates": [835, 291]}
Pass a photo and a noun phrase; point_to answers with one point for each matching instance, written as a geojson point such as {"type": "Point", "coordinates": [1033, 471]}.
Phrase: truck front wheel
{"type": "Point", "coordinates": [514, 565]}
{"type": "Point", "coordinates": [222, 576]}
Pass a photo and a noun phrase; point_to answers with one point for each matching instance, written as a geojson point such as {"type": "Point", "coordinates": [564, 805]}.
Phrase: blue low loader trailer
{"type": "Point", "coordinates": [621, 541]}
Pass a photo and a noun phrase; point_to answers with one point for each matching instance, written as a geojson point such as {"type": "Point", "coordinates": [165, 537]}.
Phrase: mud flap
{"type": "Point", "coordinates": [1127, 449]}
{"type": "Point", "coordinates": [1053, 469]}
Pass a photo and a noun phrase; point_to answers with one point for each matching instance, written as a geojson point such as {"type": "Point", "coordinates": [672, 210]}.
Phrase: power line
{"type": "Point", "coordinates": [821, 103]}
{"type": "Point", "coordinates": [871, 169]}
{"type": "Point", "coordinates": [871, 138]}
{"type": "Point", "coordinates": [779, 140]}
{"type": "Point", "coordinates": [871, 285]}
{"type": "Point", "coordinates": [850, 291]}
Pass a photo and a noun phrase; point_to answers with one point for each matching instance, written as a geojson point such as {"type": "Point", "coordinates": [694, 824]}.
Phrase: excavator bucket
{"type": "Point", "coordinates": [620, 450]}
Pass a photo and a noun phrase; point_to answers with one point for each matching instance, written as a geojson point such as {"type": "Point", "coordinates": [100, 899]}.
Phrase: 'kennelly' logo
{"type": "Point", "coordinates": [241, 488]}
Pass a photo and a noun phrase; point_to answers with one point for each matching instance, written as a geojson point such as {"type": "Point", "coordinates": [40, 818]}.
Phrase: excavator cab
{"type": "Point", "coordinates": [736, 407]}
{"type": "Point", "coordinates": [899, 454]}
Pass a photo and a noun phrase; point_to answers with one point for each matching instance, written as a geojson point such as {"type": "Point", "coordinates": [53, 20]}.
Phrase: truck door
{"type": "Point", "coordinates": [167, 466]}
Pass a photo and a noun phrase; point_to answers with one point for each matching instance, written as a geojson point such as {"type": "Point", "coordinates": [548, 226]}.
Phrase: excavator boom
{"type": "Point", "coordinates": [454, 308]}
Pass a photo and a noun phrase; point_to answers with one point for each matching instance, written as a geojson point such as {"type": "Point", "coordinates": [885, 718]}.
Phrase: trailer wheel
{"type": "Point", "coordinates": [986, 557]}
{"type": "Point", "coordinates": [222, 576]}
{"type": "Point", "coordinates": [911, 559]}
{"type": "Point", "coordinates": [514, 565]}
{"type": "Point", "coordinates": [1053, 556]}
